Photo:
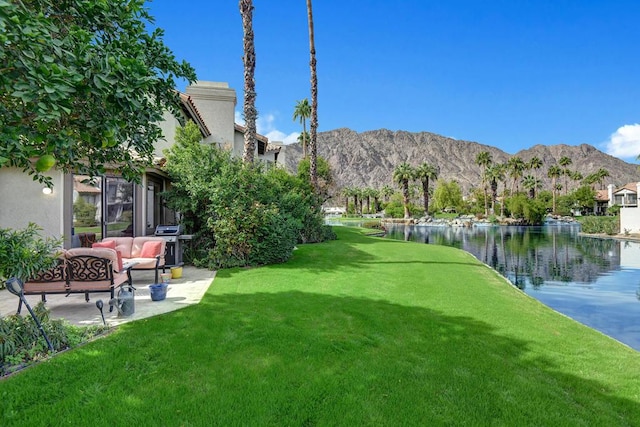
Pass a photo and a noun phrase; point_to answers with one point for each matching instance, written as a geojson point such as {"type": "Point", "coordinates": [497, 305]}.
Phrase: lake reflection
{"type": "Point", "coordinates": [594, 281]}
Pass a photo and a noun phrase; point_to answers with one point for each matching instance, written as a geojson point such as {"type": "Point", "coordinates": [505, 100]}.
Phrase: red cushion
{"type": "Point", "coordinates": [109, 244]}
{"type": "Point", "coordinates": [150, 249]}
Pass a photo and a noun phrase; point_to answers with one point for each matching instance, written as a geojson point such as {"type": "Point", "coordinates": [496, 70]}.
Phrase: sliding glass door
{"type": "Point", "coordinates": [118, 203]}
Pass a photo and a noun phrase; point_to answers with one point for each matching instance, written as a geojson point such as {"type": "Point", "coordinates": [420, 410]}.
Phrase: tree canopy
{"type": "Point", "coordinates": [83, 85]}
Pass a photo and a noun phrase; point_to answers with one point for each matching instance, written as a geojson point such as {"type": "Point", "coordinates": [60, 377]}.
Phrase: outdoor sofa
{"type": "Point", "coordinates": [80, 270]}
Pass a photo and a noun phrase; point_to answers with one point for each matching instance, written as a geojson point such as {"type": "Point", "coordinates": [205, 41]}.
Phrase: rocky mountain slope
{"type": "Point", "coordinates": [367, 159]}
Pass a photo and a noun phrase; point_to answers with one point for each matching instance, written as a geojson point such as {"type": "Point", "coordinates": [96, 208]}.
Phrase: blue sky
{"type": "Point", "coordinates": [506, 73]}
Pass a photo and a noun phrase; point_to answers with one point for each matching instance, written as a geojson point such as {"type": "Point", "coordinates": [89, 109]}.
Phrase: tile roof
{"type": "Point", "coordinates": [192, 111]}
{"type": "Point", "coordinates": [243, 129]}
{"type": "Point", "coordinates": [602, 195]}
{"type": "Point", "coordinates": [632, 186]}
{"type": "Point", "coordinates": [82, 187]}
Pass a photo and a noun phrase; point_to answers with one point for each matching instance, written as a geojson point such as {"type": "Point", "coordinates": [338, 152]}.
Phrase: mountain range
{"type": "Point", "coordinates": [367, 159]}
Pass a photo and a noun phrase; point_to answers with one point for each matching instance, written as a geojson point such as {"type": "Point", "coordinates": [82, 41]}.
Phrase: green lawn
{"type": "Point", "coordinates": [359, 331]}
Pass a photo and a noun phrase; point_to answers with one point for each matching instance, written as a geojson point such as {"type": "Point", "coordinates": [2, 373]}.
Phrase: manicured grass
{"type": "Point", "coordinates": [358, 331]}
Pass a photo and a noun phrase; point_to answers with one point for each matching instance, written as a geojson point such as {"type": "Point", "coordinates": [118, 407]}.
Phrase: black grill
{"type": "Point", "coordinates": [173, 253]}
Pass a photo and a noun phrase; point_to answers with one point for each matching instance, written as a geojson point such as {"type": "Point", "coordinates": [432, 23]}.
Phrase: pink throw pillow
{"type": "Point", "coordinates": [150, 249]}
{"type": "Point", "coordinates": [109, 244]}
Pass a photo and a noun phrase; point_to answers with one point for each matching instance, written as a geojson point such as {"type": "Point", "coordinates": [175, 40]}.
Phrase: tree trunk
{"type": "Point", "coordinates": [249, 59]}
{"type": "Point", "coordinates": [405, 199]}
{"type": "Point", "coordinates": [425, 195]}
{"type": "Point", "coordinates": [313, 152]}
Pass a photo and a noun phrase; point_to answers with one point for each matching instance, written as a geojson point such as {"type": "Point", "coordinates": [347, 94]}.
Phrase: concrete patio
{"type": "Point", "coordinates": [182, 292]}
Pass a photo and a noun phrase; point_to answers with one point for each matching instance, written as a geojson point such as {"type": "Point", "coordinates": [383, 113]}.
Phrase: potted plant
{"type": "Point", "coordinates": [24, 253]}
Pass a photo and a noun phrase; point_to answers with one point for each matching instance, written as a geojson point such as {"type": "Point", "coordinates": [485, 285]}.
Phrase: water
{"type": "Point", "coordinates": [594, 281]}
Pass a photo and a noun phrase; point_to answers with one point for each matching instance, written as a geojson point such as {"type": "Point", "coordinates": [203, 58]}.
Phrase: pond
{"type": "Point", "coordinates": [592, 280]}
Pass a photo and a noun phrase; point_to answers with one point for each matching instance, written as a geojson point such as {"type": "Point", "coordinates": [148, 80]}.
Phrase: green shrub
{"type": "Point", "coordinates": [240, 215]}
{"type": "Point", "coordinates": [600, 225]}
{"type": "Point", "coordinates": [522, 207]}
{"type": "Point", "coordinates": [24, 253]}
{"type": "Point", "coordinates": [84, 213]}
{"type": "Point", "coordinates": [613, 210]}
{"type": "Point", "coordinates": [21, 342]}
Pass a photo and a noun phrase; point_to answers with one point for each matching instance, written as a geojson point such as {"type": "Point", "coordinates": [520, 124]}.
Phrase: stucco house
{"type": "Point", "coordinates": [124, 208]}
{"type": "Point", "coordinates": [626, 197]}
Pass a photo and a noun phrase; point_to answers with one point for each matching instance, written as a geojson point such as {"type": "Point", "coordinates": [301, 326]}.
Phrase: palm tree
{"type": "Point", "coordinates": [602, 173]}
{"type": "Point", "coordinates": [503, 177]}
{"type": "Point", "coordinates": [564, 162]}
{"type": "Point", "coordinates": [386, 192]}
{"type": "Point", "coordinates": [402, 174]}
{"type": "Point", "coordinates": [535, 163]}
{"type": "Point", "coordinates": [375, 193]}
{"type": "Point", "coordinates": [367, 194]}
{"type": "Point", "coordinates": [484, 160]}
{"type": "Point", "coordinates": [302, 112]}
{"type": "Point", "coordinates": [355, 192]}
{"type": "Point", "coordinates": [590, 179]}
{"type": "Point", "coordinates": [424, 172]}
{"type": "Point", "coordinates": [576, 176]}
{"type": "Point", "coordinates": [531, 183]}
{"type": "Point", "coordinates": [516, 168]}
{"type": "Point", "coordinates": [554, 173]}
{"type": "Point", "coordinates": [304, 136]}
{"type": "Point", "coordinates": [249, 59]}
{"type": "Point", "coordinates": [346, 193]}
{"type": "Point", "coordinates": [495, 173]}
{"type": "Point", "coordinates": [314, 102]}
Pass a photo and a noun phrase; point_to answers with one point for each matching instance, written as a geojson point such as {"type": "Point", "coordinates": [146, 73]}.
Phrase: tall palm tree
{"type": "Point", "coordinates": [503, 177]}
{"type": "Point", "coordinates": [484, 160]}
{"type": "Point", "coordinates": [565, 162]}
{"type": "Point", "coordinates": [386, 192]}
{"type": "Point", "coordinates": [535, 163]}
{"type": "Point", "coordinates": [249, 60]}
{"type": "Point", "coordinates": [355, 192]}
{"type": "Point", "coordinates": [346, 193]}
{"type": "Point", "coordinates": [602, 173]}
{"type": "Point", "coordinates": [367, 194]}
{"type": "Point", "coordinates": [554, 173]}
{"type": "Point", "coordinates": [425, 172]}
{"type": "Point", "coordinates": [314, 102]}
{"type": "Point", "coordinates": [516, 169]}
{"type": "Point", "coordinates": [590, 180]}
{"type": "Point", "coordinates": [304, 136]}
{"type": "Point", "coordinates": [375, 193]}
{"type": "Point", "coordinates": [402, 174]}
{"type": "Point", "coordinates": [495, 173]}
{"type": "Point", "coordinates": [302, 112]}
{"type": "Point", "coordinates": [531, 183]}
{"type": "Point", "coordinates": [576, 176]}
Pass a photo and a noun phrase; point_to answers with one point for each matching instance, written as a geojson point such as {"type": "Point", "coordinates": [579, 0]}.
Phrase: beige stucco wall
{"type": "Point", "coordinates": [216, 103]}
{"type": "Point", "coordinates": [22, 201]}
{"type": "Point", "coordinates": [630, 220]}
{"type": "Point", "coordinates": [168, 126]}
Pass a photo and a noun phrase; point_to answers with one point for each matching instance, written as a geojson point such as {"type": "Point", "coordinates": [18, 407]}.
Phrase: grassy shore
{"type": "Point", "coordinates": [358, 331]}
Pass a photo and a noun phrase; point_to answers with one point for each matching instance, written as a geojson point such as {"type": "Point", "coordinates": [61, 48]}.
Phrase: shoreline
{"type": "Point", "coordinates": [629, 238]}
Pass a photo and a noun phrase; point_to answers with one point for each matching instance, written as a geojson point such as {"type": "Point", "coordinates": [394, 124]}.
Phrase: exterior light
{"type": "Point", "coordinates": [47, 191]}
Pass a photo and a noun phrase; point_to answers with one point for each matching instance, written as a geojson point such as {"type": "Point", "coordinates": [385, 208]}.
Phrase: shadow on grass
{"type": "Point", "coordinates": [295, 358]}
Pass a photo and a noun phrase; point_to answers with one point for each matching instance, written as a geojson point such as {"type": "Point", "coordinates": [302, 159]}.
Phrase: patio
{"type": "Point", "coordinates": [182, 292]}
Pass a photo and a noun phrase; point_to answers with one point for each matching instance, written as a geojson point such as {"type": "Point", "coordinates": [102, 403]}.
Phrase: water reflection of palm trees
{"type": "Point", "coordinates": [527, 256]}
